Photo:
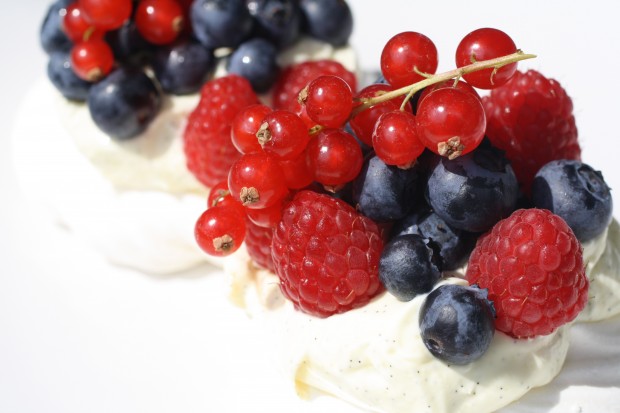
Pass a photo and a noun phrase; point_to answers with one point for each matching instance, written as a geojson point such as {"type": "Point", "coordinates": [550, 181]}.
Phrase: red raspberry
{"type": "Point", "coordinates": [296, 77]}
{"type": "Point", "coordinates": [208, 148]}
{"type": "Point", "coordinates": [531, 118]}
{"type": "Point", "coordinates": [532, 265]}
{"type": "Point", "coordinates": [258, 243]}
{"type": "Point", "coordinates": [326, 255]}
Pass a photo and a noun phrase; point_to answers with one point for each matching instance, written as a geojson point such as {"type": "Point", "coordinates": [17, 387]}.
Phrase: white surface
{"type": "Point", "coordinates": [78, 335]}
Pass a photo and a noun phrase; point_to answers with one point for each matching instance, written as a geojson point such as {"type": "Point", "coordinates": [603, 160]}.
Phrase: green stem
{"type": "Point", "coordinates": [410, 90]}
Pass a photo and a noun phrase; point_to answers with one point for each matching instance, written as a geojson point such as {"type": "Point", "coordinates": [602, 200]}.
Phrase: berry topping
{"type": "Point", "coordinates": [484, 44]}
{"type": "Point", "coordinates": [207, 144]}
{"type": "Point", "coordinates": [474, 191]}
{"type": "Point", "coordinates": [532, 265]}
{"type": "Point", "coordinates": [92, 60]}
{"type": "Point", "coordinates": [294, 78]}
{"type": "Point", "coordinates": [51, 34]}
{"type": "Point", "coordinates": [276, 20]}
{"type": "Point", "coordinates": [407, 267]}
{"type": "Point", "coordinates": [283, 135]}
{"type": "Point", "coordinates": [258, 243]}
{"type": "Point", "coordinates": [255, 60]}
{"type": "Point", "coordinates": [531, 118]}
{"type": "Point", "coordinates": [106, 14]}
{"type": "Point", "coordinates": [328, 101]}
{"type": "Point", "coordinates": [456, 323]}
{"type": "Point", "coordinates": [63, 77]}
{"type": "Point", "coordinates": [220, 23]}
{"type": "Point", "coordinates": [577, 193]}
{"type": "Point", "coordinates": [406, 57]}
{"type": "Point", "coordinates": [245, 126]}
{"type": "Point", "coordinates": [220, 231]}
{"type": "Point", "coordinates": [256, 180]}
{"type": "Point", "coordinates": [124, 103]}
{"type": "Point", "coordinates": [159, 21]}
{"type": "Point", "coordinates": [395, 138]}
{"type": "Point", "coordinates": [327, 20]}
{"type": "Point", "coordinates": [326, 255]}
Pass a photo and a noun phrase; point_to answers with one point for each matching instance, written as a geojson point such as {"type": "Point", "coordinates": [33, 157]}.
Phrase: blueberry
{"type": "Point", "coordinates": [328, 20]}
{"type": "Point", "coordinates": [384, 192]}
{"type": "Point", "coordinates": [473, 191]}
{"type": "Point", "coordinates": [577, 193]}
{"type": "Point", "coordinates": [457, 323]}
{"type": "Point", "coordinates": [124, 103]}
{"type": "Point", "coordinates": [128, 45]}
{"type": "Point", "coordinates": [220, 23]}
{"type": "Point", "coordinates": [255, 60]}
{"type": "Point", "coordinates": [51, 35]}
{"type": "Point", "coordinates": [407, 267]}
{"type": "Point", "coordinates": [278, 21]}
{"type": "Point", "coordinates": [183, 68]}
{"type": "Point", "coordinates": [451, 245]}
{"type": "Point", "coordinates": [62, 76]}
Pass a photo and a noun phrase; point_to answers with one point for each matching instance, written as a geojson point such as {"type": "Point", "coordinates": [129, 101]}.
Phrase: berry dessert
{"type": "Point", "coordinates": [123, 78]}
{"type": "Point", "coordinates": [411, 268]}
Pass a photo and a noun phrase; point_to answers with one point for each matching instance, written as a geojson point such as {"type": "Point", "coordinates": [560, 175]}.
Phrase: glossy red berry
{"type": "Point", "coordinates": [334, 157]}
{"type": "Point", "coordinates": [245, 125]}
{"type": "Point", "coordinates": [76, 27]}
{"type": "Point", "coordinates": [283, 134]}
{"type": "Point", "coordinates": [267, 217]}
{"type": "Point", "coordinates": [220, 231]}
{"type": "Point", "coordinates": [220, 196]}
{"type": "Point", "coordinates": [363, 123]}
{"type": "Point", "coordinates": [451, 122]}
{"type": "Point", "coordinates": [328, 101]}
{"type": "Point", "coordinates": [296, 172]}
{"type": "Point", "coordinates": [256, 181]}
{"type": "Point", "coordinates": [159, 21]}
{"type": "Point", "coordinates": [395, 139]}
{"type": "Point", "coordinates": [92, 60]}
{"type": "Point", "coordinates": [461, 85]}
{"type": "Point", "coordinates": [405, 54]}
{"type": "Point", "coordinates": [106, 14]}
{"type": "Point", "coordinates": [485, 44]}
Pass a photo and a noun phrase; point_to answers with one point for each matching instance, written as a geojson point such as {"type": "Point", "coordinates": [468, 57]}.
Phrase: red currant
{"type": "Point", "coordinates": [464, 86]}
{"type": "Point", "coordinates": [334, 157]}
{"type": "Point", "coordinates": [76, 27]}
{"type": "Point", "coordinates": [245, 125]}
{"type": "Point", "coordinates": [283, 134]}
{"type": "Point", "coordinates": [451, 122]}
{"type": "Point", "coordinates": [159, 21]}
{"type": "Point", "coordinates": [92, 60]}
{"type": "Point", "coordinates": [363, 123]}
{"type": "Point", "coordinates": [256, 180]}
{"type": "Point", "coordinates": [395, 139]}
{"type": "Point", "coordinates": [485, 44]}
{"type": "Point", "coordinates": [220, 231]}
{"type": "Point", "coordinates": [219, 195]}
{"type": "Point", "coordinates": [266, 217]}
{"type": "Point", "coordinates": [296, 173]}
{"type": "Point", "coordinates": [406, 53]}
{"type": "Point", "coordinates": [328, 101]}
{"type": "Point", "coordinates": [106, 14]}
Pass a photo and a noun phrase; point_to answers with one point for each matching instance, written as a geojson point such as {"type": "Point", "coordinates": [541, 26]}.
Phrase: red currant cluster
{"type": "Point", "coordinates": [86, 22]}
{"type": "Point", "coordinates": [284, 151]}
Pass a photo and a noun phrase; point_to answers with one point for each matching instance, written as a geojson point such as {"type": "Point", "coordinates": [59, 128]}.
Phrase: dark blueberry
{"type": "Point", "coordinates": [220, 23]}
{"type": "Point", "coordinates": [457, 323]}
{"type": "Point", "coordinates": [384, 192]}
{"type": "Point", "coordinates": [255, 60]}
{"type": "Point", "coordinates": [183, 68]}
{"type": "Point", "coordinates": [128, 45]}
{"type": "Point", "coordinates": [328, 20]}
{"type": "Point", "coordinates": [124, 103]}
{"type": "Point", "coordinates": [473, 191]}
{"type": "Point", "coordinates": [407, 267]}
{"type": "Point", "coordinates": [62, 76]}
{"type": "Point", "coordinates": [452, 245]}
{"type": "Point", "coordinates": [51, 35]}
{"type": "Point", "coordinates": [577, 193]}
{"type": "Point", "coordinates": [278, 21]}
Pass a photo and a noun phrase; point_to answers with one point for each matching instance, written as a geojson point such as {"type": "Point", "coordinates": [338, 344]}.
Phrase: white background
{"type": "Point", "coordinates": [77, 335]}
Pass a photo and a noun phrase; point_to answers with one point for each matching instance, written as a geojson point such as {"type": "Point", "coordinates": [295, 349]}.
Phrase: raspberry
{"type": "Point", "coordinates": [531, 118]}
{"type": "Point", "coordinates": [326, 255]}
{"type": "Point", "coordinates": [258, 243]}
{"type": "Point", "coordinates": [294, 78]}
{"type": "Point", "coordinates": [532, 265]}
{"type": "Point", "coordinates": [207, 144]}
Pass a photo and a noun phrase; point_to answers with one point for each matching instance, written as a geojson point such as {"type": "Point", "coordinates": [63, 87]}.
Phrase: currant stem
{"type": "Point", "coordinates": [410, 90]}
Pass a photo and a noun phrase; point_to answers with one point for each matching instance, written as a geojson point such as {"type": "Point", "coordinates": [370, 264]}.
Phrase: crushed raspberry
{"type": "Point", "coordinates": [531, 118]}
{"type": "Point", "coordinates": [258, 244]}
{"type": "Point", "coordinates": [294, 78]}
{"type": "Point", "coordinates": [326, 255]}
{"type": "Point", "coordinates": [532, 265]}
{"type": "Point", "coordinates": [208, 148]}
